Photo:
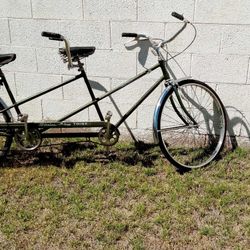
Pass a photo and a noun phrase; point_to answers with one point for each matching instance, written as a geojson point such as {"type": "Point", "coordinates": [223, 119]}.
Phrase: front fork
{"type": "Point", "coordinates": [171, 86]}
{"type": "Point", "coordinates": [175, 87]}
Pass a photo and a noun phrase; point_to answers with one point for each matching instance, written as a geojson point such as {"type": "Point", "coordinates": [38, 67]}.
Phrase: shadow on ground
{"type": "Point", "coordinates": [69, 154]}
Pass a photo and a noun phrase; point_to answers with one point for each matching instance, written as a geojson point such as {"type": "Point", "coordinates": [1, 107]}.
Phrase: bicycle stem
{"type": "Point", "coordinates": [67, 49]}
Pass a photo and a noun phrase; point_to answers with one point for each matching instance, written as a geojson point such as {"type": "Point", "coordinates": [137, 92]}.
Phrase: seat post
{"type": "Point", "coordinates": [80, 64]}
{"type": "Point", "coordinates": [4, 82]}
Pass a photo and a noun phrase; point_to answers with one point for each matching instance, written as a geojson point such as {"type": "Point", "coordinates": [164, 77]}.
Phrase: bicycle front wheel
{"type": "Point", "coordinates": [5, 134]}
{"type": "Point", "coordinates": [191, 137]}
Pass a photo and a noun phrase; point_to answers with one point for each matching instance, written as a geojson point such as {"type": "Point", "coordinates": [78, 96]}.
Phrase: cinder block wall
{"type": "Point", "coordinates": [219, 56]}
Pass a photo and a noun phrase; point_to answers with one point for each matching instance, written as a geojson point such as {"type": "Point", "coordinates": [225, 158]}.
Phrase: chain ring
{"type": "Point", "coordinates": [33, 142]}
{"type": "Point", "coordinates": [113, 137]}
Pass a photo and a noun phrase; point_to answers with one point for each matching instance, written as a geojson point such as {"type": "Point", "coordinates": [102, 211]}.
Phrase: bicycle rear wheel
{"type": "Point", "coordinates": [5, 134]}
{"type": "Point", "coordinates": [191, 140]}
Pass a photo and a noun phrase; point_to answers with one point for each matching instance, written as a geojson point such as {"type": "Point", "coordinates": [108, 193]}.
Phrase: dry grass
{"type": "Point", "coordinates": [76, 197]}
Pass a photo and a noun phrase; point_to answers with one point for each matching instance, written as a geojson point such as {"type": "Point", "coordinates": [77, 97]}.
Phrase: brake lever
{"type": "Point", "coordinates": [132, 40]}
{"type": "Point", "coordinates": [136, 39]}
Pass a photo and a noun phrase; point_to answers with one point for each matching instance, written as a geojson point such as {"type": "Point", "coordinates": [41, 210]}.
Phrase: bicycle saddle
{"type": "Point", "coordinates": [6, 58]}
{"type": "Point", "coordinates": [75, 52]}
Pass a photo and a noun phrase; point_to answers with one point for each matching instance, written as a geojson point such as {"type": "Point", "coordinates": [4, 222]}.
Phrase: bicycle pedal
{"type": "Point", "coordinates": [108, 116]}
{"type": "Point", "coordinates": [23, 118]}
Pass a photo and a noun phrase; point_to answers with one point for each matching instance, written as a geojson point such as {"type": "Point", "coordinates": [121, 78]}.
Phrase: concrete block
{"type": "Point", "coordinates": [207, 41]}
{"type": "Point", "coordinates": [148, 60]}
{"type": "Point", "coordinates": [29, 84]}
{"type": "Point", "coordinates": [86, 33]}
{"type": "Point", "coordinates": [117, 110]}
{"type": "Point", "coordinates": [60, 9]}
{"type": "Point", "coordinates": [220, 68]}
{"type": "Point", "coordinates": [184, 61]}
{"type": "Point", "coordinates": [134, 91]}
{"type": "Point", "coordinates": [146, 63]}
{"type": "Point", "coordinates": [68, 72]}
{"type": "Point", "coordinates": [77, 90]}
{"type": "Point", "coordinates": [150, 29]}
{"type": "Point", "coordinates": [219, 56]}
{"type": "Point", "coordinates": [48, 60]}
{"type": "Point", "coordinates": [220, 11]}
{"type": "Point", "coordinates": [109, 9]}
{"type": "Point", "coordinates": [235, 40]}
{"type": "Point", "coordinates": [100, 85]}
{"type": "Point", "coordinates": [33, 109]}
{"type": "Point", "coordinates": [27, 32]}
{"type": "Point", "coordinates": [145, 117]}
{"type": "Point", "coordinates": [160, 10]}
{"type": "Point", "coordinates": [4, 31]}
{"type": "Point", "coordinates": [112, 64]}
{"type": "Point", "coordinates": [56, 109]}
{"type": "Point", "coordinates": [145, 135]}
{"type": "Point", "coordinates": [105, 106]}
{"type": "Point", "coordinates": [25, 59]}
{"type": "Point", "coordinates": [15, 8]}
{"type": "Point", "coordinates": [245, 125]}
{"type": "Point", "coordinates": [235, 120]}
{"type": "Point", "coordinates": [234, 95]}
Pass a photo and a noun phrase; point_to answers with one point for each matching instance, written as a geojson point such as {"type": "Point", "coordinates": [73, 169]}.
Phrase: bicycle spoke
{"type": "Point", "coordinates": [193, 145]}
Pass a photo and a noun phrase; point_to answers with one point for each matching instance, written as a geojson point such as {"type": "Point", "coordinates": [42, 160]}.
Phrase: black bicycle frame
{"type": "Point", "coordinates": [95, 100]}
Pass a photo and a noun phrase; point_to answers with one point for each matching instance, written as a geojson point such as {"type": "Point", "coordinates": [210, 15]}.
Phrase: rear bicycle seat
{"type": "Point", "coordinates": [76, 52]}
{"type": "Point", "coordinates": [6, 58]}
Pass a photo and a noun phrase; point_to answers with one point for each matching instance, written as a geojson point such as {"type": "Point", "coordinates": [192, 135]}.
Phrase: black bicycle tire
{"type": "Point", "coordinates": [161, 141]}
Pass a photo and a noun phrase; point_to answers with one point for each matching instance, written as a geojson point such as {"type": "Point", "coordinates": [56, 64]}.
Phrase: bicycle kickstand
{"type": "Point", "coordinates": [24, 118]}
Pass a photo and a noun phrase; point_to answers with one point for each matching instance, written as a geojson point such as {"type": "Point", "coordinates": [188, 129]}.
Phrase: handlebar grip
{"type": "Point", "coordinates": [178, 16]}
{"type": "Point", "coordinates": [129, 35]}
{"type": "Point", "coordinates": [52, 36]}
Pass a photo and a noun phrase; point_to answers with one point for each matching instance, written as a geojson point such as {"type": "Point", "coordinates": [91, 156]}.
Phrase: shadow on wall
{"type": "Point", "coordinates": [99, 87]}
{"type": "Point", "coordinates": [144, 46]}
{"type": "Point", "coordinates": [236, 125]}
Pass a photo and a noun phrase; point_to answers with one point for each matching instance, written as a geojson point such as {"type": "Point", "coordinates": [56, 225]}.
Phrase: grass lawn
{"type": "Point", "coordinates": [76, 197]}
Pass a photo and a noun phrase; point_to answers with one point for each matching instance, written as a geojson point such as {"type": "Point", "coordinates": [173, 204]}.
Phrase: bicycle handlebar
{"type": "Point", "coordinates": [135, 35]}
{"type": "Point", "coordinates": [178, 16]}
{"type": "Point", "coordinates": [129, 35]}
{"type": "Point", "coordinates": [174, 14]}
{"type": "Point", "coordinates": [52, 36]}
{"type": "Point", "coordinates": [157, 45]}
{"type": "Point", "coordinates": [58, 37]}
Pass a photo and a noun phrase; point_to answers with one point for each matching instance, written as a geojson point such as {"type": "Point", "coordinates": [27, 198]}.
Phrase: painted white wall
{"type": "Point", "coordinates": [219, 56]}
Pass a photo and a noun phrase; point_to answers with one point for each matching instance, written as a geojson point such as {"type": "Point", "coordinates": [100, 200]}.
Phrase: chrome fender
{"type": "Point", "coordinates": [157, 111]}
{"type": "Point", "coordinates": [166, 91]}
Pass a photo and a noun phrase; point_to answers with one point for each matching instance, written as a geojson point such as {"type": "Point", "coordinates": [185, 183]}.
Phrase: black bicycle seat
{"type": "Point", "coordinates": [77, 52]}
{"type": "Point", "coordinates": [6, 58]}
